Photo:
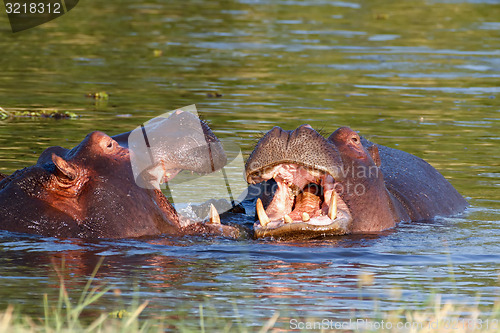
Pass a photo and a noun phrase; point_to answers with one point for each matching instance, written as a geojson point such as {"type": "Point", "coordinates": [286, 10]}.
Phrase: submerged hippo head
{"type": "Point", "coordinates": [306, 170]}
{"type": "Point", "coordinates": [91, 191]}
{"type": "Point", "coordinates": [341, 185]}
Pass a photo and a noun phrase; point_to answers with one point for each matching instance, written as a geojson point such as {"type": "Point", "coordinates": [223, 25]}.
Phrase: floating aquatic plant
{"type": "Point", "coordinates": [35, 113]}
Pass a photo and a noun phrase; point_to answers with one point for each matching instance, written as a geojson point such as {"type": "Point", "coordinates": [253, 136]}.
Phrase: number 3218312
{"type": "Point", "coordinates": [33, 8]}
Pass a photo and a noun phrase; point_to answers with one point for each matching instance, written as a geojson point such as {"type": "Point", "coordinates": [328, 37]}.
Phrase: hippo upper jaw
{"type": "Point", "coordinates": [163, 147]}
{"type": "Point", "coordinates": [305, 204]}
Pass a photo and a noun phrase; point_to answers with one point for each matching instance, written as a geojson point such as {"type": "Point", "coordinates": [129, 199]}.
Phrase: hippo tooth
{"type": "Point", "coordinates": [287, 219]}
{"type": "Point", "coordinates": [261, 213]}
{"type": "Point", "coordinates": [214, 215]}
{"type": "Point", "coordinates": [305, 217]}
{"type": "Point", "coordinates": [332, 210]}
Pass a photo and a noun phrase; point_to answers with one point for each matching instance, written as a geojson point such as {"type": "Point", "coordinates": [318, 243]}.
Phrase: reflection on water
{"type": "Point", "coordinates": [414, 75]}
{"type": "Point", "coordinates": [317, 278]}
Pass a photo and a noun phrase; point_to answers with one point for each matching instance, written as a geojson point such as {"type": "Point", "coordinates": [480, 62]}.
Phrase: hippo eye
{"type": "Point", "coordinates": [355, 139]}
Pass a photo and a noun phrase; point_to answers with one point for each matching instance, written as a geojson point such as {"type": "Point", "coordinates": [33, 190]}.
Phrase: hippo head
{"type": "Point", "coordinates": [91, 190]}
{"type": "Point", "coordinates": [344, 184]}
{"type": "Point", "coordinates": [362, 186]}
{"type": "Point", "coordinates": [305, 170]}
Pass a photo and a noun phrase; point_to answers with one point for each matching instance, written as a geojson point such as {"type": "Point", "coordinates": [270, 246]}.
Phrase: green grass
{"type": "Point", "coordinates": [65, 317]}
{"type": "Point", "coordinates": [66, 314]}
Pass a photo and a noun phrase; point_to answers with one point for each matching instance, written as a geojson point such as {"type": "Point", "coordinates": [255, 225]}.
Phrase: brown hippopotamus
{"type": "Point", "coordinates": [311, 186]}
{"type": "Point", "coordinates": [91, 191]}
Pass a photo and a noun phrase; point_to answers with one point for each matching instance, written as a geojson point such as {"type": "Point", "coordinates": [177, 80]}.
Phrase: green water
{"type": "Point", "coordinates": [421, 76]}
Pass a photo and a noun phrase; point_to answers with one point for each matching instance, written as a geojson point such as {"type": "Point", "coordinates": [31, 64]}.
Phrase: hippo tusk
{"type": "Point", "coordinates": [287, 219]}
{"type": "Point", "coordinates": [305, 217]}
{"type": "Point", "coordinates": [261, 213]}
{"type": "Point", "coordinates": [214, 215]}
{"type": "Point", "coordinates": [332, 210]}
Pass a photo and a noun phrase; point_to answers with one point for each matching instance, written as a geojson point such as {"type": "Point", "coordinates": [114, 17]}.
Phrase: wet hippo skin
{"type": "Point", "coordinates": [90, 191]}
{"type": "Point", "coordinates": [308, 186]}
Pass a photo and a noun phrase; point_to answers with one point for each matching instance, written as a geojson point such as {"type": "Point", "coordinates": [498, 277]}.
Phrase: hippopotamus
{"type": "Point", "coordinates": [91, 191]}
{"type": "Point", "coordinates": [309, 186]}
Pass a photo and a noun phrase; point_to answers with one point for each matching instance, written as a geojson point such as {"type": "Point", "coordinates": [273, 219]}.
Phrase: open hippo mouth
{"type": "Point", "coordinates": [303, 202]}
{"type": "Point", "coordinates": [109, 187]}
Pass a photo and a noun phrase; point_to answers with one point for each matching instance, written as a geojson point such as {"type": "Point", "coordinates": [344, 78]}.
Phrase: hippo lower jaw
{"type": "Point", "coordinates": [305, 204]}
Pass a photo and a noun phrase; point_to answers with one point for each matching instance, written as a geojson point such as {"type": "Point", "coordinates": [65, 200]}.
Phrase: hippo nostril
{"type": "Point", "coordinates": [110, 145]}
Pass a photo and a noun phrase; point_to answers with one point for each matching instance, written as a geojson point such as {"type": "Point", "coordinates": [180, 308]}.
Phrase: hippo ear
{"type": "Point", "coordinates": [373, 150]}
{"type": "Point", "coordinates": [63, 168]}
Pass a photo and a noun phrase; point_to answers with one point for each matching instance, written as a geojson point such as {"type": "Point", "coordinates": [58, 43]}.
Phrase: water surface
{"type": "Point", "coordinates": [421, 76]}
